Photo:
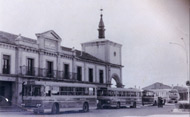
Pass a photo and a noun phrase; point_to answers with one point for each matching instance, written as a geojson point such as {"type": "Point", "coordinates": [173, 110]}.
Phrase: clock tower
{"type": "Point", "coordinates": [103, 48]}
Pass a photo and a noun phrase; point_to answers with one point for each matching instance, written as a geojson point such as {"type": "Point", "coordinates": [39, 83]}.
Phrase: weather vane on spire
{"type": "Point", "coordinates": [101, 30]}
{"type": "Point", "coordinates": [101, 10]}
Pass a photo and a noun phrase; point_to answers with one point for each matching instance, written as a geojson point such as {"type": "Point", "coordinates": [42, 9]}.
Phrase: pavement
{"type": "Point", "coordinates": [144, 111]}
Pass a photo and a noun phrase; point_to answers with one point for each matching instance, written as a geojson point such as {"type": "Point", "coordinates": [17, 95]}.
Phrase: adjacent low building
{"type": "Point", "coordinates": [182, 92]}
{"type": "Point", "coordinates": [162, 90]}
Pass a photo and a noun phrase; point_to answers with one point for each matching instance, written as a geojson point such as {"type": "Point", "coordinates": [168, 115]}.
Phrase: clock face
{"type": "Point", "coordinates": [50, 44]}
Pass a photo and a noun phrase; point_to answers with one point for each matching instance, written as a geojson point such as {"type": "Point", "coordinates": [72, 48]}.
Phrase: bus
{"type": "Point", "coordinates": [168, 95]}
{"type": "Point", "coordinates": [118, 97]}
{"type": "Point", "coordinates": [44, 96]}
{"type": "Point", "coordinates": [173, 96]}
{"type": "Point", "coordinates": [149, 98]}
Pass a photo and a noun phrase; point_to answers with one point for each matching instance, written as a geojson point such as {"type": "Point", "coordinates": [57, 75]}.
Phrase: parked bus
{"type": "Point", "coordinates": [149, 98]}
{"type": "Point", "coordinates": [55, 96]}
{"type": "Point", "coordinates": [168, 95]}
{"type": "Point", "coordinates": [118, 97]}
{"type": "Point", "coordinates": [173, 96]}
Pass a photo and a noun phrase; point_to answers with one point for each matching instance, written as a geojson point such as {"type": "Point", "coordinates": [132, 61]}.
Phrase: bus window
{"type": "Point", "coordinates": [27, 90]}
{"type": "Point", "coordinates": [91, 91]}
{"type": "Point", "coordinates": [48, 91]}
{"type": "Point", "coordinates": [111, 93]}
{"type": "Point", "coordinates": [70, 90]}
{"type": "Point", "coordinates": [55, 91]}
{"type": "Point", "coordinates": [42, 91]}
{"type": "Point", "coordinates": [36, 90]}
{"type": "Point", "coordinates": [86, 92]}
{"type": "Point", "coordinates": [128, 94]}
{"type": "Point", "coordinates": [80, 91]}
{"type": "Point", "coordinates": [33, 90]}
{"type": "Point", "coordinates": [100, 93]}
{"type": "Point", "coordinates": [133, 94]}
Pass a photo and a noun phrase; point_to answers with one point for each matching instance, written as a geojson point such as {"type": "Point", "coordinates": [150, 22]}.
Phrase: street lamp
{"type": "Point", "coordinates": [187, 61]}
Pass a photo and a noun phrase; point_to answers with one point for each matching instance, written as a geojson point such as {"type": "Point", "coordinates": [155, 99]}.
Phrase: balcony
{"type": "Point", "coordinates": [48, 74]}
{"type": "Point", "coordinates": [6, 71]}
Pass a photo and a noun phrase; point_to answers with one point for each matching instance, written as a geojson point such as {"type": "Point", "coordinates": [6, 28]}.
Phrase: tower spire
{"type": "Point", "coordinates": [101, 30]}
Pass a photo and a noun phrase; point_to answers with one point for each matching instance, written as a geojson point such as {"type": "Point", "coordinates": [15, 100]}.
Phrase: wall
{"type": "Point", "coordinates": [97, 50]}
{"type": "Point", "coordinates": [115, 59]}
{"type": "Point", "coordinates": [26, 55]}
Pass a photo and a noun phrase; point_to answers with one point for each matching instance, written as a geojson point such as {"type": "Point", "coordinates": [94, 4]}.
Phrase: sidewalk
{"type": "Point", "coordinates": [180, 115]}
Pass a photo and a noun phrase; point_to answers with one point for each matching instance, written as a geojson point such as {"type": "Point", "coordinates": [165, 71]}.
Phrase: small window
{"type": "Point", "coordinates": [49, 69]}
{"type": "Point", "coordinates": [6, 64]}
{"type": "Point", "coordinates": [30, 66]}
{"type": "Point", "coordinates": [90, 74]}
{"type": "Point", "coordinates": [101, 76]}
{"type": "Point", "coordinates": [114, 53]}
{"type": "Point", "coordinates": [66, 71]}
{"type": "Point", "coordinates": [79, 73]}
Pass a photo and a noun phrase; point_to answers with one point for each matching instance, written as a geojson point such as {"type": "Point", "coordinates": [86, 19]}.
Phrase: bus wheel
{"type": "Point", "coordinates": [118, 105]}
{"type": "Point", "coordinates": [85, 107]}
{"type": "Point", "coordinates": [134, 105]}
{"type": "Point", "coordinates": [55, 109]}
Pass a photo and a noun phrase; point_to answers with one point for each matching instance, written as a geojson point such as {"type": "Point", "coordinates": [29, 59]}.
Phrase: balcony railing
{"type": "Point", "coordinates": [6, 71]}
{"type": "Point", "coordinates": [45, 73]}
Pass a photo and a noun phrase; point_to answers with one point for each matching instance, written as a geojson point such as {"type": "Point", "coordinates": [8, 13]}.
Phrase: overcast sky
{"type": "Point", "coordinates": [143, 27]}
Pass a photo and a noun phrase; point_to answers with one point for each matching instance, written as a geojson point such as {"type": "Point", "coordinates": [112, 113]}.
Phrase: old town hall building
{"type": "Point", "coordinates": [44, 59]}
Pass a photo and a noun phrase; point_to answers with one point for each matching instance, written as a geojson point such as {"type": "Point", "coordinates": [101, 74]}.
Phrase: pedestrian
{"type": "Point", "coordinates": [160, 102]}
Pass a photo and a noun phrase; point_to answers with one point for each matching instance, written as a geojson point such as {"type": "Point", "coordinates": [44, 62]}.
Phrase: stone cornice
{"type": "Point", "coordinates": [7, 46]}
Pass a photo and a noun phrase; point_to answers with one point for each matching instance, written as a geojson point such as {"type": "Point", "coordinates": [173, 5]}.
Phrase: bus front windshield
{"type": "Point", "coordinates": [33, 90]}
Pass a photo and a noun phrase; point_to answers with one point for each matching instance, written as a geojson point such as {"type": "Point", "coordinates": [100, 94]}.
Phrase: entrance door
{"type": "Point", "coordinates": [5, 93]}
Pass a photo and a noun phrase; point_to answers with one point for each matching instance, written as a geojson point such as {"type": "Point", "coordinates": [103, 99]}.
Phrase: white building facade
{"type": "Point", "coordinates": [44, 59]}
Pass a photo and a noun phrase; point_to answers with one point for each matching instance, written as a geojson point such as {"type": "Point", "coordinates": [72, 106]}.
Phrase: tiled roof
{"type": "Point", "coordinates": [10, 38]}
{"type": "Point", "coordinates": [7, 37]}
{"type": "Point", "coordinates": [86, 56]}
{"type": "Point", "coordinates": [83, 55]}
{"type": "Point", "coordinates": [66, 48]}
{"type": "Point", "coordinates": [157, 85]}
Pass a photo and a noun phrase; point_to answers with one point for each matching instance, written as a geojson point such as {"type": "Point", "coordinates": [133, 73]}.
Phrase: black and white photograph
{"type": "Point", "coordinates": [94, 58]}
